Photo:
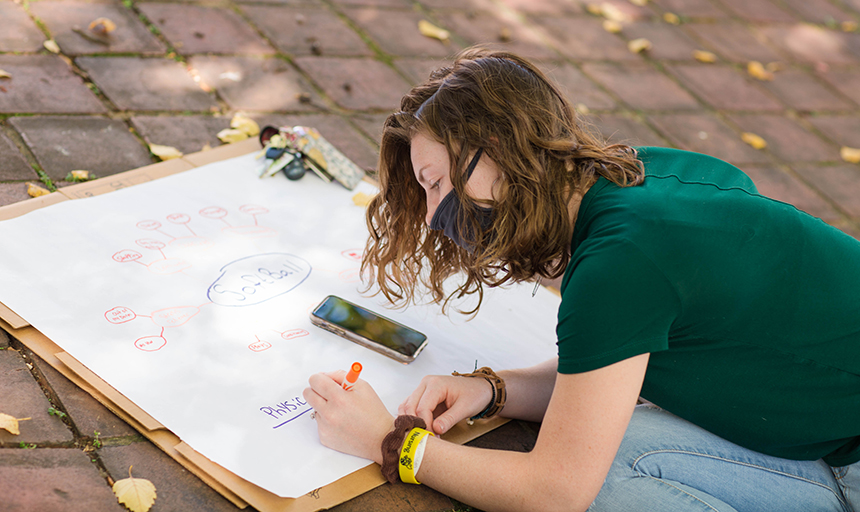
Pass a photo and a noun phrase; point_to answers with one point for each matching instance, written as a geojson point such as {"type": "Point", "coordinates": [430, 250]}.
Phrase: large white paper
{"type": "Point", "coordinates": [190, 295]}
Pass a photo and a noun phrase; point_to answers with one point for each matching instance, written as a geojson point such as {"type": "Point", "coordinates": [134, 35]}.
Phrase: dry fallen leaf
{"type": "Point", "coordinates": [5, 75]}
{"type": "Point", "coordinates": [361, 199]}
{"type": "Point", "coordinates": [229, 135]}
{"type": "Point", "coordinates": [639, 45]}
{"type": "Point", "coordinates": [612, 26]}
{"type": "Point", "coordinates": [594, 9]}
{"type": "Point", "coordinates": [245, 124]}
{"type": "Point", "coordinates": [672, 18]}
{"type": "Point", "coordinates": [613, 13]}
{"type": "Point", "coordinates": [851, 155]}
{"type": "Point", "coordinates": [754, 140]}
{"type": "Point", "coordinates": [165, 152]}
{"type": "Point", "coordinates": [849, 26]}
{"type": "Point", "coordinates": [36, 190]}
{"type": "Point", "coordinates": [757, 70]}
{"type": "Point", "coordinates": [430, 30]}
{"type": "Point", "coordinates": [79, 175]}
{"type": "Point", "coordinates": [51, 46]}
{"type": "Point", "coordinates": [206, 147]}
{"type": "Point", "coordinates": [10, 423]}
{"type": "Point", "coordinates": [102, 26]}
{"type": "Point", "coordinates": [703, 56]}
{"type": "Point", "coordinates": [137, 494]}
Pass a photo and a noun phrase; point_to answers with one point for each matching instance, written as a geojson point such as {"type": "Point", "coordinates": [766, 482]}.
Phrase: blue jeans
{"type": "Point", "coordinates": [667, 464]}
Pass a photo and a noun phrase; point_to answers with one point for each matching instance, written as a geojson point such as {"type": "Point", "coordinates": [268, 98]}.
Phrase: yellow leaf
{"type": "Point", "coordinates": [703, 56]}
{"type": "Point", "coordinates": [849, 26]}
{"type": "Point", "coordinates": [639, 45]}
{"type": "Point", "coordinates": [245, 124]}
{"type": "Point", "coordinates": [613, 13]}
{"type": "Point", "coordinates": [206, 147]}
{"type": "Point", "coordinates": [81, 175]}
{"type": "Point", "coordinates": [165, 152]}
{"type": "Point", "coordinates": [756, 70]}
{"type": "Point", "coordinates": [51, 46]}
{"type": "Point", "coordinates": [582, 108]}
{"type": "Point", "coordinates": [36, 190]}
{"type": "Point", "coordinates": [361, 199]}
{"type": "Point", "coordinates": [430, 30]}
{"type": "Point", "coordinates": [10, 423]}
{"type": "Point", "coordinates": [754, 140]}
{"type": "Point", "coordinates": [5, 74]}
{"type": "Point", "coordinates": [851, 155]}
{"type": "Point", "coordinates": [229, 135]}
{"type": "Point", "coordinates": [102, 26]}
{"type": "Point", "coordinates": [137, 494]}
{"type": "Point", "coordinates": [639, 3]}
{"type": "Point", "coordinates": [612, 26]}
{"type": "Point", "coordinates": [671, 18]}
{"type": "Point", "coordinates": [594, 9]}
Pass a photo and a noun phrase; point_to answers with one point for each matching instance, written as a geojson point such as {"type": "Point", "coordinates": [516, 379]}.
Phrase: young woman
{"type": "Point", "coordinates": [738, 315]}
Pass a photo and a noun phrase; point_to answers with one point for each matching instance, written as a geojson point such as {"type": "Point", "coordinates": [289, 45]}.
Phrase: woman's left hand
{"type": "Point", "coordinates": [353, 422]}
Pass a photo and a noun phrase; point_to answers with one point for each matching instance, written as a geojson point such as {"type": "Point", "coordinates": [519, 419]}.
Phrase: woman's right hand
{"type": "Point", "coordinates": [442, 400]}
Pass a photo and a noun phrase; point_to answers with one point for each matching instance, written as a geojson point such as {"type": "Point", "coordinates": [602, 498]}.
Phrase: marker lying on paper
{"type": "Point", "coordinates": [352, 376]}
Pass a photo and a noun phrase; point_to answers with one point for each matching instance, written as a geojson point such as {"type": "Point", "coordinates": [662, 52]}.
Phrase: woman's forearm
{"type": "Point", "coordinates": [529, 390]}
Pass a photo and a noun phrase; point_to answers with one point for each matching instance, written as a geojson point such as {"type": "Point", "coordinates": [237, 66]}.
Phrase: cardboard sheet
{"type": "Point", "coordinates": [226, 378]}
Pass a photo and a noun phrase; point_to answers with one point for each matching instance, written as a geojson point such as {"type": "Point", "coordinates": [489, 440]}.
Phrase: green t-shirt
{"type": "Point", "coordinates": [749, 308]}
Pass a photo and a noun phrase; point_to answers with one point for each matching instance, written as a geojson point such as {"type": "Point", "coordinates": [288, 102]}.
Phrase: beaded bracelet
{"type": "Point", "coordinates": [393, 443]}
{"type": "Point", "coordinates": [500, 395]}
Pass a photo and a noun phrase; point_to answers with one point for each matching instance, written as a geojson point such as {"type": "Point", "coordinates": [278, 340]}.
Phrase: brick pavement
{"type": "Point", "coordinates": [174, 73]}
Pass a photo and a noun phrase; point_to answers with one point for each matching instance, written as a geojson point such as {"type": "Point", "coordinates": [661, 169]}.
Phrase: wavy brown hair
{"type": "Point", "coordinates": [505, 105]}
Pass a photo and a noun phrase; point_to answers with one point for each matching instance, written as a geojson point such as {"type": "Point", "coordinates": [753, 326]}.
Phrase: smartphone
{"type": "Point", "coordinates": [368, 329]}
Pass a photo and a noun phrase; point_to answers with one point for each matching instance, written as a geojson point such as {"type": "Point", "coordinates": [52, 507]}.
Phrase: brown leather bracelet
{"type": "Point", "coordinates": [393, 442]}
{"type": "Point", "coordinates": [500, 395]}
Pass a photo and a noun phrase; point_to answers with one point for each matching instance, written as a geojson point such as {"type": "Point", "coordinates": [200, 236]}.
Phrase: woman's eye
{"type": "Point", "coordinates": [435, 184]}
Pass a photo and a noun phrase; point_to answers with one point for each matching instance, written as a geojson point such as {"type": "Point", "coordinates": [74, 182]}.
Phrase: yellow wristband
{"type": "Point", "coordinates": [407, 464]}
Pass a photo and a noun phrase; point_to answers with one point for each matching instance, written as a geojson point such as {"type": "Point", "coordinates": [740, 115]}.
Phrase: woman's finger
{"type": "Point", "coordinates": [408, 406]}
{"type": "Point", "coordinates": [324, 385]}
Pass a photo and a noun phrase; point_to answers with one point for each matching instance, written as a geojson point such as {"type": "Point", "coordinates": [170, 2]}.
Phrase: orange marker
{"type": "Point", "coordinates": [352, 376]}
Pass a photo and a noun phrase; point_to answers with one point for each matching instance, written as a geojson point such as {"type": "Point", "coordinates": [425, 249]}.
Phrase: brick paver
{"type": "Point", "coordinates": [69, 22]}
{"type": "Point", "coordinates": [188, 134]}
{"type": "Point", "coordinates": [803, 91]}
{"type": "Point", "coordinates": [63, 144]}
{"type": "Point", "coordinates": [18, 33]}
{"type": "Point", "coordinates": [396, 32]}
{"type": "Point", "coordinates": [174, 72]}
{"type": "Point", "coordinates": [53, 480]}
{"type": "Point", "coordinates": [256, 83]}
{"type": "Point", "coordinates": [43, 84]}
{"type": "Point", "coordinates": [501, 30]}
{"type": "Point", "coordinates": [735, 41]}
{"type": "Point", "coordinates": [204, 29]}
{"type": "Point", "coordinates": [307, 31]}
{"type": "Point", "coordinates": [356, 84]}
{"type": "Point", "coordinates": [13, 166]}
{"type": "Point", "coordinates": [724, 87]}
{"type": "Point", "coordinates": [21, 397]}
{"type": "Point", "coordinates": [847, 82]}
{"type": "Point", "coordinates": [132, 83]}
{"type": "Point", "coordinates": [642, 86]}
{"type": "Point", "coordinates": [787, 139]}
{"type": "Point", "coordinates": [707, 134]}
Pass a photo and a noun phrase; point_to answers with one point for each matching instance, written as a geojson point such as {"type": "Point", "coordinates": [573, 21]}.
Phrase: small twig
{"type": "Point", "coordinates": [89, 37]}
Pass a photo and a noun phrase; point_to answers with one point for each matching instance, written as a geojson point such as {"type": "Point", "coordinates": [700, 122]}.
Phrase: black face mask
{"type": "Point", "coordinates": [449, 213]}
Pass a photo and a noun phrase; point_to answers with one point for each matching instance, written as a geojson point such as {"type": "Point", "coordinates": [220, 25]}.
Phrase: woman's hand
{"type": "Point", "coordinates": [441, 400]}
{"type": "Point", "coordinates": [353, 422]}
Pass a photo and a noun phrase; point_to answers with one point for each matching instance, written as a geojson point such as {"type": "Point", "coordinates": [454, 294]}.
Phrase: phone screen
{"type": "Point", "coordinates": [364, 323]}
